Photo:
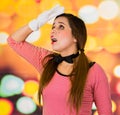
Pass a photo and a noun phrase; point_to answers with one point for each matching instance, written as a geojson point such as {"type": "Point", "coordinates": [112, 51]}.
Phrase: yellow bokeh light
{"type": "Point", "coordinates": [114, 106]}
{"type": "Point", "coordinates": [44, 5]}
{"type": "Point", "coordinates": [111, 42]}
{"type": "Point", "coordinates": [30, 88]}
{"type": "Point", "coordinates": [8, 6]}
{"type": "Point", "coordinates": [4, 4]}
{"type": "Point", "coordinates": [91, 43]}
{"type": "Point", "coordinates": [44, 40]}
{"type": "Point", "coordinates": [27, 9]}
{"type": "Point", "coordinates": [96, 113]}
{"type": "Point", "coordinates": [6, 107]}
{"type": "Point", "coordinates": [112, 39]}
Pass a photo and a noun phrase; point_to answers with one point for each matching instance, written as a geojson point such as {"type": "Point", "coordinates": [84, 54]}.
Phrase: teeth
{"type": "Point", "coordinates": [54, 39]}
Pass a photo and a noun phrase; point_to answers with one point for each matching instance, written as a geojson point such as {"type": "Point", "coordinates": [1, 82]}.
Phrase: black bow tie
{"type": "Point", "coordinates": [58, 58]}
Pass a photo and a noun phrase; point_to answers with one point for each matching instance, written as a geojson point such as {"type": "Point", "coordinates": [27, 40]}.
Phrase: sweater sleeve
{"type": "Point", "coordinates": [29, 52]}
{"type": "Point", "coordinates": [101, 91]}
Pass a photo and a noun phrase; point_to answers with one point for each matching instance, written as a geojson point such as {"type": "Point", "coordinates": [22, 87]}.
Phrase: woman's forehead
{"type": "Point", "coordinates": [61, 20]}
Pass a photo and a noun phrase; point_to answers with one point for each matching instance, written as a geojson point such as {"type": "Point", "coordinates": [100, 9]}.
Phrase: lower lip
{"type": "Point", "coordinates": [52, 42]}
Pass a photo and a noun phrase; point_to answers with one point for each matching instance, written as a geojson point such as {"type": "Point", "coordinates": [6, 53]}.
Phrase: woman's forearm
{"type": "Point", "coordinates": [21, 34]}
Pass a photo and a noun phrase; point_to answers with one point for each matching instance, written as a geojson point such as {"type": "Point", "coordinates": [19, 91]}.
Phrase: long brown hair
{"type": "Point", "coordinates": [80, 68]}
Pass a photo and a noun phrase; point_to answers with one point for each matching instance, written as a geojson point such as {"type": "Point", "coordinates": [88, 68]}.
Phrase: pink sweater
{"type": "Point", "coordinates": [56, 93]}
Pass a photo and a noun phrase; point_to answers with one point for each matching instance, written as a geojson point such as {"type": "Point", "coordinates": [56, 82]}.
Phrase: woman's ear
{"type": "Point", "coordinates": [75, 40]}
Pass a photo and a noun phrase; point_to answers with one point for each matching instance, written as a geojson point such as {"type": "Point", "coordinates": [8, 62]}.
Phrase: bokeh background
{"type": "Point", "coordinates": [19, 80]}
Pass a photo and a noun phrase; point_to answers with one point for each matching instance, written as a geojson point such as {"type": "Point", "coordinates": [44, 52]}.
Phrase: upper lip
{"type": "Point", "coordinates": [52, 36]}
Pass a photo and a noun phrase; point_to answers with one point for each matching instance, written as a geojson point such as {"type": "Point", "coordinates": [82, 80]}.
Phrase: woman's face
{"type": "Point", "coordinates": [62, 39]}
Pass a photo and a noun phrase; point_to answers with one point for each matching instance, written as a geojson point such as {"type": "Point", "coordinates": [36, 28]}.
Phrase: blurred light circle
{"type": "Point", "coordinates": [30, 88]}
{"type": "Point", "coordinates": [114, 106]}
{"type": "Point", "coordinates": [11, 85]}
{"type": "Point", "coordinates": [4, 4]}
{"type": "Point", "coordinates": [30, 11]}
{"type": "Point", "coordinates": [108, 9]}
{"type": "Point", "coordinates": [45, 5]}
{"type": "Point", "coordinates": [111, 42]}
{"type": "Point", "coordinates": [96, 113]}
{"type": "Point", "coordinates": [89, 14]}
{"type": "Point", "coordinates": [6, 107]}
{"type": "Point", "coordinates": [94, 106]}
{"type": "Point", "coordinates": [26, 105]}
{"type": "Point", "coordinates": [116, 71]}
{"type": "Point", "coordinates": [8, 6]}
{"type": "Point", "coordinates": [3, 37]}
{"type": "Point", "coordinates": [35, 98]}
{"type": "Point", "coordinates": [91, 43]}
{"type": "Point", "coordinates": [34, 36]}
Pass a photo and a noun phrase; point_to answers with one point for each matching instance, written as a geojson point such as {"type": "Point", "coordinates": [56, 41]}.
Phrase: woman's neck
{"type": "Point", "coordinates": [65, 68]}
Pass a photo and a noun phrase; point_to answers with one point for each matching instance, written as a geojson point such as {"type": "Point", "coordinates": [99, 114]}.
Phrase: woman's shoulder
{"type": "Point", "coordinates": [96, 72]}
{"type": "Point", "coordinates": [91, 64]}
{"type": "Point", "coordinates": [94, 66]}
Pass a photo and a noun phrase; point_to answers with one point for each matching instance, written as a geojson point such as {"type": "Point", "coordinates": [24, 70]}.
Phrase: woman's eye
{"type": "Point", "coordinates": [53, 27]}
{"type": "Point", "coordinates": [61, 27]}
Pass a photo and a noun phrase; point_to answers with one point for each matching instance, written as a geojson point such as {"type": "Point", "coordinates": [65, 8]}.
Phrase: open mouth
{"type": "Point", "coordinates": [54, 40]}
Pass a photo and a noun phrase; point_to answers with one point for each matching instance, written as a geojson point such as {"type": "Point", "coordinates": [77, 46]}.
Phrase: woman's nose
{"type": "Point", "coordinates": [54, 30]}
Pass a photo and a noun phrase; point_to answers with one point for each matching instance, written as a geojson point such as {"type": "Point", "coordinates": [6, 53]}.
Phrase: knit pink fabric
{"type": "Point", "coordinates": [55, 94]}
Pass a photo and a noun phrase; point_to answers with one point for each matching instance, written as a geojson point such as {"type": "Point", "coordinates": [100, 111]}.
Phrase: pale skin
{"type": "Point", "coordinates": [65, 44]}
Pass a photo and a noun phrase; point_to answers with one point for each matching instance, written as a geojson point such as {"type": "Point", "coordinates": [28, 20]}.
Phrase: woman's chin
{"type": "Point", "coordinates": [55, 49]}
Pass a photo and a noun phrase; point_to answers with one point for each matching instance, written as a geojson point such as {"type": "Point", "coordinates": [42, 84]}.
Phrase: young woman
{"type": "Point", "coordinates": [69, 82]}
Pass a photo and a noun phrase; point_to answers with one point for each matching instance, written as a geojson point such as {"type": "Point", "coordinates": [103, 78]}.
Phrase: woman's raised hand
{"type": "Point", "coordinates": [35, 24]}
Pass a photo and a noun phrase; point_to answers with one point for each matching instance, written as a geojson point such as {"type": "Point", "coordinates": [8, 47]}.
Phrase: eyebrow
{"type": "Point", "coordinates": [60, 23]}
